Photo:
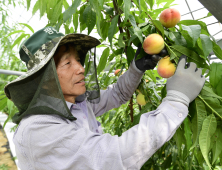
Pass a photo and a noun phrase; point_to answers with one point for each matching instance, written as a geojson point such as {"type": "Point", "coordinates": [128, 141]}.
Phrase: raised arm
{"type": "Point", "coordinates": [58, 143]}
{"type": "Point", "coordinates": [119, 93]}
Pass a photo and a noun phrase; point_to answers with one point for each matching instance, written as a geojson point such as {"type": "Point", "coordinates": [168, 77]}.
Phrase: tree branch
{"type": "Point", "coordinates": [131, 108]}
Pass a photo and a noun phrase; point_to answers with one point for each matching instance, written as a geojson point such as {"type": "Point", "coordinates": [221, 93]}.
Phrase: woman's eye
{"type": "Point", "coordinates": [68, 63]}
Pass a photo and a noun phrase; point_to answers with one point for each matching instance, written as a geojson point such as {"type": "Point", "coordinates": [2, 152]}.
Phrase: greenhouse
{"type": "Point", "coordinates": [122, 84]}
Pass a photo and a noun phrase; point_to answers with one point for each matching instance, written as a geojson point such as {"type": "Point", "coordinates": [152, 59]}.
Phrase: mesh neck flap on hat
{"type": "Point", "coordinates": [92, 85]}
{"type": "Point", "coordinates": [39, 91]}
{"type": "Point", "coordinates": [42, 95]}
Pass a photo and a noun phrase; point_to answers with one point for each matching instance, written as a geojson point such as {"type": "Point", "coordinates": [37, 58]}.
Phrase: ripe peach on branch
{"type": "Point", "coordinates": [117, 72]}
{"type": "Point", "coordinates": [153, 44]}
{"type": "Point", "coordinates": [165, 67]}
{"type": "Point", "coordinates": [169, 17]}
{"type": "Point", "coordinates": [141, 99]}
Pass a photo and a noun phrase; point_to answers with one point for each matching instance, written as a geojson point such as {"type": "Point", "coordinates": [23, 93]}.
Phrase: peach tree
{"type": "Point", "coordinates": [121, 25]}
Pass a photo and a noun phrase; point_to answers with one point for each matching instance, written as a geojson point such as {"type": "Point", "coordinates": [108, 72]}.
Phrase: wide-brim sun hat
{"type": "Point", "coordinates": [37, 51]}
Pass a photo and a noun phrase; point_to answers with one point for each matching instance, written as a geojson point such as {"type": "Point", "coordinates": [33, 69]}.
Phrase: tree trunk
{"type": "Point", "coordinates": [6, 158]}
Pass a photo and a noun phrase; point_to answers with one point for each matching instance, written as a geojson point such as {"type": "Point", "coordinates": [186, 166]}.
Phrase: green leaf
{"type": "Point", "coordinates": [132, 20]}
{"type": "Point", "coordinates": [87, 65]}
{"type": "Point", "coordinates": [28, 26]}
{"type": "Point", "coordinates": [199, 156]}
{"type": "Point", "coordinates": [104, 28]}
{"type": "Point", "coordinates": [90, 18]}
{"type": "Point", "coordinates": [98, 10]}
{"type": "Point", "coordinates": [101, 2]}
{"type": "Point", "coordinates": [158, 2]}
{"type": "Point", "coordinates": [138, 33]}
{"type": "Point", "coordinates": [187, 134]}
{"type": "Point", "coordinates": [197, 108]}
{"type": "Point", "coordinates": [42, 7]}
{"type": "Point", "coordinates": [173, 54]}
{"type": "Point", "coordinates": [116, 53]}
{"type": "Point", "coordinates": [3, 103]}
{"type": "Point", "coordinates": [75, 21]}
{"type": "Point", "coordinates": [189, 40]}
{"type": "Point", "coordinates": [56, 12]}
{"type": "Point", "coordinates": [218, 167]}
{"type": "Point", "coordinates": [180, 139]}
{"type": "Point", "coordinates": [215, 74]}
{"type": "Point", "coordinates": [207, 91]}
{"type": "Point", "coordinates": [112, 29]}
{"type": "Point", "coordinates": [167, 5]}
{"type": "Point", "coordinates": [151, 3]}
{"type": "Point", "coordinates": [14, 32]}
{"type": "Point", "coordinates": [108, 9]}
{"type": "Point", "coordinates": [71, 10]}
{"type": "Point", "coordinates": [28, 4]}
{"type": "Point", "coordinates": [3, 18]}
{"type": "Point", "coordinates": [131, 39]}
{"type": "Point", "coordinates": [10, 105]}
{"type": "Point", "coordinates": [126, 8]}
{"type": "Point", "coordinates": [65, 3]}
{"type": "Point", "coordinates": [111, 114]}
{"type": "Point", "coordinates": [163, 92]}
{"type": "Point", "coordinates": [203, 25]}
{"type": "Point", "coordinates": [137, 3]}
{"type": "Point", "coordinates": [217, 145]}
{"type": "Point", "coordinates": [193, 57]}
{"type": "Point", "coordinates": [35, 8]}
{"type": "Point", "coordinates": [193, 31]}
{"type": "Point", "coordinates": [219, 87]}
{"type": "Point", "coordinates": [217, 50]}
{"type": "Point", "coordinates": [120, 40]}
{"type": "Point", "coordinates": [103, 60]}
{"type": "Point", "coordinates": [50, 8]}
{"type": "Point", "coordinates": [207, 45]}
{"type": "Point", "coordinates": [208, 15]}
{"type": "Point", "coordinates": [143, 5]}
{"type": "Point", "coordinates": [177, 38]}
{"type": "Point", "coordinates": [137, 30]}
{"type": "Point", "coordinates": [11, 111]}
{"type": "Point", "coordinates": [67, 31]}
{"type": "Point", "coordinates": [130, 54]}
{"type": "Point", "coordinates": [19, 39]}
{"type": "Point", "coordinates": [72, 30]}
{"type": "Point", "coordinates": [167, 162]}
{"type": "Point", "coordinates": [208, 129]}
{"type": "Point", "coordinates": [214, 104]}
{"type": "Point", "coordinates": [159, 26]}
{"type": "Point", "coordinates": [151, 75]}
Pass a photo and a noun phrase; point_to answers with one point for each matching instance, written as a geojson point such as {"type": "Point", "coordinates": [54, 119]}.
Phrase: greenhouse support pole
{"type": "Point", "coordinates": [214, 7]}
{"type": "Point", "coordinates": [9, 72]}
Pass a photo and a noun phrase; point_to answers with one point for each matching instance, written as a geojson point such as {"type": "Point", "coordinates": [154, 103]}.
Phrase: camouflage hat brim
{"type": "Point", "coordinates": [81, 41]}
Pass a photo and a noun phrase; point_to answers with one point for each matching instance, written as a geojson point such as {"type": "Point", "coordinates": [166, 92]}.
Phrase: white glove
{"type": "Point", "coordinates": [185, 85]}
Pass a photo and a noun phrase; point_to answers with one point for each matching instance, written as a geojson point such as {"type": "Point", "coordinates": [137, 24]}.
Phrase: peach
{"type": "Point", "coordinates": [153, 44]}
{"type": "Point", "coordinates": [165, 67]}
{"type": "Point", "coordinates": [169, 17]}
{"type": "Point", "coordinates": [141, 99]}
{"type": "Point", "coordinates": [116, 72]}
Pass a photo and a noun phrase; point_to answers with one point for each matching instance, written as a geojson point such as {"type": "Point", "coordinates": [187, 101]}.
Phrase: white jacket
{"type": "Point", "coordinates": [49, 142]}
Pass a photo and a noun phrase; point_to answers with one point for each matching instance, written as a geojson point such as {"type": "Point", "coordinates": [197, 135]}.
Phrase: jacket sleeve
{"type": "Point", "coordinates": [119, 93]}
{"type": "Point", "coordinates": [49, 143]}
